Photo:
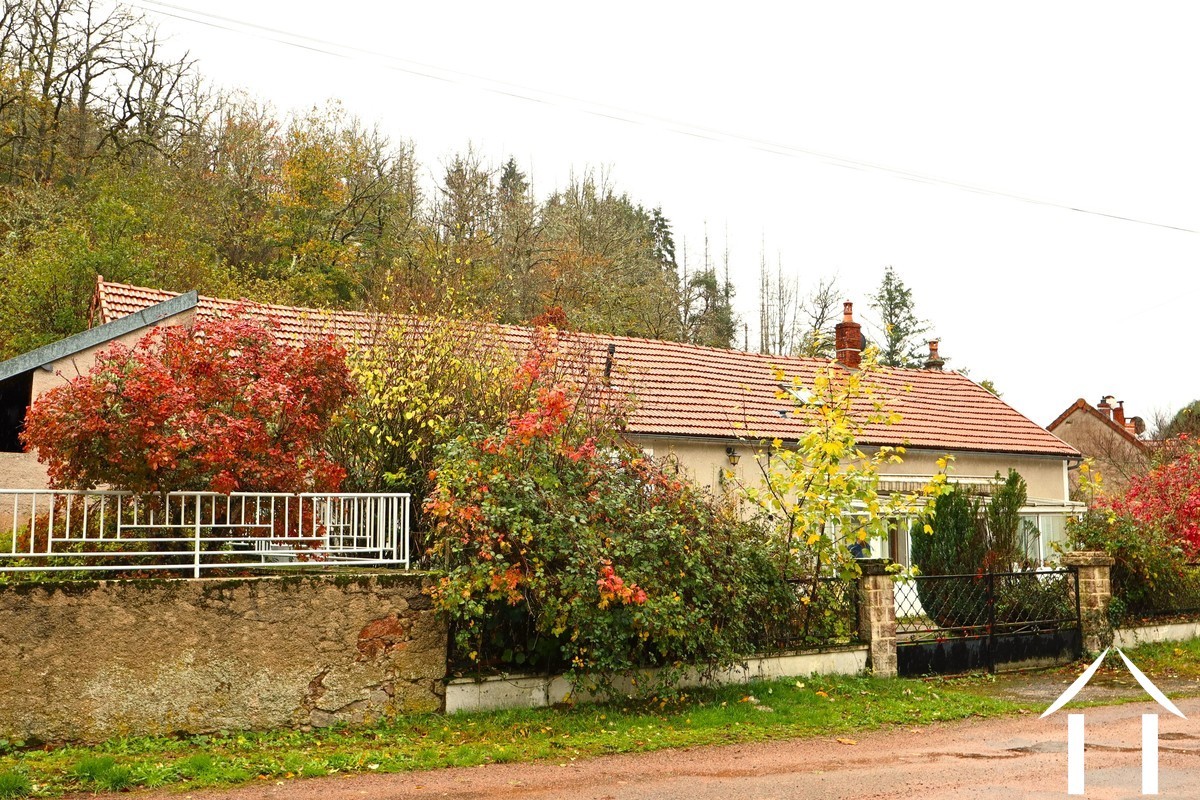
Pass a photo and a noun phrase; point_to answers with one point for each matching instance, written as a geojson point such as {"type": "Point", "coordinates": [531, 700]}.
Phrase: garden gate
{"type": "Point", "coordinates": [962, 623]}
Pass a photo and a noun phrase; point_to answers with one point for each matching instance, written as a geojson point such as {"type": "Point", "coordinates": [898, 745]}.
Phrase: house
{"type": "Point", "coordinates": [694, 404]}
{"type": "Point", "coordinates": [1106, 435]}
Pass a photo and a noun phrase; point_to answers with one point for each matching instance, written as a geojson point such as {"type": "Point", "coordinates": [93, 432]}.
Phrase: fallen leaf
{"type": "Point", "coordinates": [846, 741]}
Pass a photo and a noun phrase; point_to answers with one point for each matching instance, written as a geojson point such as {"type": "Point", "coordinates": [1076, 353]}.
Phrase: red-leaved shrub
{"type": "Point", "coordinates": [217, 406]}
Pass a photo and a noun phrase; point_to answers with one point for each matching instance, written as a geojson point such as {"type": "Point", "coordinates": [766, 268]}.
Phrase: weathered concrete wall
{"type": "Point", "coordinates": [1128, 638]}
{"type": "Point", "coordinates": [538, 691]}
{"type": "Point", "coordinates": [92, 660]}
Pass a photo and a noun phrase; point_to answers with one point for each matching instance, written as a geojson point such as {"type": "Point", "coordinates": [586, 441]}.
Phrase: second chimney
{"type": "Point", "coordinates": [847, 337]}
{"type": "Point", "coordinates": [934, 361]}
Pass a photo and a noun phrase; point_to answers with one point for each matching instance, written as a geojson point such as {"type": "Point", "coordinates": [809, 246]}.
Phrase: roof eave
{"type": "Point", "coordinates": [93, 337]}
{"type": "Point", "coordinates": [1070, 452]}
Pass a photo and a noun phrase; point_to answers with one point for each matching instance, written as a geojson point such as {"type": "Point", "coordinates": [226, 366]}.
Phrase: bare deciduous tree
{"type": "Point", "coordinates": [792, 323]}
{"type": "Point", "coordinates": [77, 78]}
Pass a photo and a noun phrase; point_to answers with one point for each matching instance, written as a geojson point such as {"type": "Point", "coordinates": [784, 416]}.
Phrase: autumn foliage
{"type": "Point", "coordinates": [1152, 529]}
{"type": "Point", "coordinates": [566, 548]}
{"type": "Point", "coordinates": [216, 406]}
{"type": "Point", "coordinates": [1168, 495]}
{"type": "Point", "coordinates": [418, 385]}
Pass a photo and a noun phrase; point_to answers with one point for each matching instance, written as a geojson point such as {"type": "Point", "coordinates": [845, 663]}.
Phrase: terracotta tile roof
{"type": "Point", "coordinates": [115, 300]}
{"type": "Point", "coordinates": [688, 390]}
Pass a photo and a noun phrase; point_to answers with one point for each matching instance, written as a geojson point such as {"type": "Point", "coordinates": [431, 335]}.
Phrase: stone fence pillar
{"type": "Point", "coordinates": [877, 616]}
{"type": "Point", "coordinates": [1095, 590]}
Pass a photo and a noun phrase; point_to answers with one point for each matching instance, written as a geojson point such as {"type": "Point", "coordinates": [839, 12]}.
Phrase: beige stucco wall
{"type": "Point", "coordinates": [93, 660]}
{"type": "Point", "coordinates": [1116, 458]}
{"type": "Point", "coordinates": [703, 460]}
{"type": "Point", "coordinates": [22, 470]}
{"type": "Point", "coordinates": [58, 372]}
{"type": "Point", "coordinates": [1045, 475]}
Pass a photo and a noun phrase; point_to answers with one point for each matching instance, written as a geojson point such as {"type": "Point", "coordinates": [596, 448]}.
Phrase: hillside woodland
{"type": "Point", "coordinates": [118, 159]}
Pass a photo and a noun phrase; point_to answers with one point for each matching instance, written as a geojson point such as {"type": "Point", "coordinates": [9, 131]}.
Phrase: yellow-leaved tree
{"type": "Point", "coordinates": [821, 493]}
{"type": "Point", "coordinates": [419, 383]}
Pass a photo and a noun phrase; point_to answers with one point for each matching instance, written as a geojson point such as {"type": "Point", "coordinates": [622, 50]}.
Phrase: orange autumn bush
{"type": "Point", "coordinates": [565, 547]}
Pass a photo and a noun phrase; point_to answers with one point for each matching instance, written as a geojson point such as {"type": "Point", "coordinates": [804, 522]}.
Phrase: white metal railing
{"type": "Point", "coordinates": [59, 530]}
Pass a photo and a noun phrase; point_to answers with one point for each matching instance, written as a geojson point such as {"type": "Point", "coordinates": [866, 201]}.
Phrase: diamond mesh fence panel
{"type": "Point", "coordinates": [1034, 601]}
{"type": "Point", "coordinates": [824, 613]}
{"type": "Point", "coordinates": [1172, 595]}
{"type": "Point", "coordinates": [938, 607]}
{"type": "Point", "coordinates": [928, 606]}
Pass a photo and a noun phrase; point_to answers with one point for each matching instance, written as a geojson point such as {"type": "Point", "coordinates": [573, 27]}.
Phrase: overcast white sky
{"type": "Point", "coordinates": [1083, 105]}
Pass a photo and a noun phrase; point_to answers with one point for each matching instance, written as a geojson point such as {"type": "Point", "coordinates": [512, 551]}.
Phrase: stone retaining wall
{"type": "Point", "coordinates": [86, 661]}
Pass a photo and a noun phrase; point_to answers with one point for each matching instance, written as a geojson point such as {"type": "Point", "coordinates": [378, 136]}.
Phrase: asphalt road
{"type": "Point", "coordinates": [1020, 757]}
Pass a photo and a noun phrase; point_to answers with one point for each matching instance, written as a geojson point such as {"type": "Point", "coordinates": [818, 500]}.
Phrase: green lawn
{"type": "Point", "coordinates": [1169, 659]}
{"type": "Point", "coordinates": [761, 711]}
{"type": "Point", "coordinates": [818, 706]}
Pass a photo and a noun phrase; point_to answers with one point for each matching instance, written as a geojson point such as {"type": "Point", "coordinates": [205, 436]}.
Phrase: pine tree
{"type": "Point", "coordinates": [713, 322]}
{"type": "Point", "coordinates": [707, 304]}
{"type": "Point", "coordinates": [902, 332]}
{"type": "Point", "coordinates": [517, 235]}
{"type": "Point", "coordinates": [664, 241]}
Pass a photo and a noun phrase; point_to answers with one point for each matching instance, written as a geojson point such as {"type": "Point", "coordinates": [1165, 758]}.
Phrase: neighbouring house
{"type": "Point", "coordinates": [694, 405]}
{"type": "Point", "coordinates": [1106, 435]}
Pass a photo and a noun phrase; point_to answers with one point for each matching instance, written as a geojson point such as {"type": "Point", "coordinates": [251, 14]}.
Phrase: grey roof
{"type": "Point", "coordinates": [97, 336]}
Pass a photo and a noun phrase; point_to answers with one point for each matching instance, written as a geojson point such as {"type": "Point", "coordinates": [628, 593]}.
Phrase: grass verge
{"type": "Point", "coordinates": [1169, 659]}
{"type": "Point", "coordinates": [825, 706]}
{"type": "Point", "coordinates": [837, 706]}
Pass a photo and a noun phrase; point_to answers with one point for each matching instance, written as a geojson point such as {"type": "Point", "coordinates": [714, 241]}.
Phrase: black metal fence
{"type": "Point", "coordinates": [959, 623]}
{"type": "Point", "coordinates": [810, 615]}
{"type": "Point", "coordinates": [1172, 595]}
{"type": "Point", "coordinates": [823, 613]}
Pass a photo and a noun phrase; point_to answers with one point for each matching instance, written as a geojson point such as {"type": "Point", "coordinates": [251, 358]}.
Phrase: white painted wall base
{"type": "Point", "coordinates": [536, 691]}
{"type": "Point", "coordinates": [1145, 634]}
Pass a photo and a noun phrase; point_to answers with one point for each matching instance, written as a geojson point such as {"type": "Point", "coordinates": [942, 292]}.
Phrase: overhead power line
{"type": "Point", "coordinates": [555, 99]}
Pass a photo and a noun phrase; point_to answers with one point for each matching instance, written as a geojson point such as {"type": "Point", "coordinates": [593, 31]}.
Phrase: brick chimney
{"type": "Point", "coordinates": [1119, 413]}
{"type": "Point", "coordinates": [847, 337]}
{"type": "Point", "coordinates": [934, 361]}
{"type": "Point", "coordinates": [1105, 407]}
